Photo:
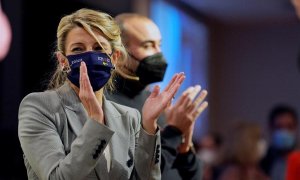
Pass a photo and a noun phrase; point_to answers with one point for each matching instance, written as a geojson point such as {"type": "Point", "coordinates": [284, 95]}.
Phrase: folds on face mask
{"type": "Point", "coordinates": [151, 69]}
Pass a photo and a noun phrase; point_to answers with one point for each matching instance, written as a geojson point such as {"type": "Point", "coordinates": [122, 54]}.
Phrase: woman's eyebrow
{"type": "Point", "coordinates": [76, 43]}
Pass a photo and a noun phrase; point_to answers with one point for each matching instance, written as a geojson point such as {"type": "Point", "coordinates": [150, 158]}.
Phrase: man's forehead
{"type": "Point", "coordinates": [143, 30]}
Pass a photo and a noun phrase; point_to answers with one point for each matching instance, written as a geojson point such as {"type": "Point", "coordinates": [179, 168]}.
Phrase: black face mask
{"type": "Point", "coordinates": [151, 69]}
{"type": "Point", "coordinates": [129, 87]}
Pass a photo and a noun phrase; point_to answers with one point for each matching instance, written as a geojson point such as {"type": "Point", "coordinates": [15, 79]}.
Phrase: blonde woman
{"type": "Point", "coordinates": [242, 151]}
{"type": "Point", "coordinates": [71, 131]}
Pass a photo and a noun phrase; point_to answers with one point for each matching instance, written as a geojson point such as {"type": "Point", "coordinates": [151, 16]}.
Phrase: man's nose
{"type": "Point", "coordinates": [157, 48]}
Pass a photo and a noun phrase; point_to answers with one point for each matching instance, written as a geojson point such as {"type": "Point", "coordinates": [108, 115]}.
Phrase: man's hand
{"type": "Point", "coordinates": [185, 112]}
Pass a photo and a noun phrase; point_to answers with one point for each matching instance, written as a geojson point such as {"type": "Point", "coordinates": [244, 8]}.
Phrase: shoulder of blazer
{"type": "Point", "coordinates": [130, 113]}
{"type": "Point", "coordinates": [46, 102]}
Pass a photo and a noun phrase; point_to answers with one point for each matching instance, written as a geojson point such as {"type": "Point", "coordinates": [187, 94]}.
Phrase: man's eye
{"type": "Point", "coordinates": [147, 46]}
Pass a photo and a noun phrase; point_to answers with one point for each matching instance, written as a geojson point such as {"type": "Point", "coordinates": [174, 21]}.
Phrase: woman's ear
{"type": "Point", "coordinates": [115, 56]}
{"type": "Point", "coordinates": [62, 60]}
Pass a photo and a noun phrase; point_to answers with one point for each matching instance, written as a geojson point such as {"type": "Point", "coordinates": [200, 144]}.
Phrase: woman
{"type": "Point", "coordinates": [243, 148]}
{"type": "Point", "coordinates": [71, 131]}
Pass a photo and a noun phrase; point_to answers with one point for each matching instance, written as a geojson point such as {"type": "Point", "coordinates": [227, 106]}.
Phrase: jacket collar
{"type": "Point", "coordinates": [69, 97]}
{"type": "Point", "coordinates": [76, 114]}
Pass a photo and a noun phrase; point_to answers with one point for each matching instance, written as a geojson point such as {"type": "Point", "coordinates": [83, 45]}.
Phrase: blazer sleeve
{"type": "Point", "coordinates": [44, 150]}
{"type": "Point", "coordinates": [147, 154]}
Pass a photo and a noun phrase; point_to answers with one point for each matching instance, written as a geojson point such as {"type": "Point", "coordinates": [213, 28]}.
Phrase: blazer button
{"type": "Point", "coordinates": [129, 162]}
{"type": "Point", "coordinates": [100, 147]}
{"type": "Point", "coordinates": [95, 156]}
{"type": "Point", "coordinates": [103, 142]}
{"type": "Point", "coordinates": [157, 156]}
{"type": "Point", "coordinates": [98, 151]}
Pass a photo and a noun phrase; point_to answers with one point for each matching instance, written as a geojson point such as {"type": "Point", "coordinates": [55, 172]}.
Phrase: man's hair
{"type": "Point", "coordinates": [280, 110]}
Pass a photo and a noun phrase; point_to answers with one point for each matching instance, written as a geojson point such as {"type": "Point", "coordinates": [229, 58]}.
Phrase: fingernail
{"type": "Point", "coordinates": [197, 87]}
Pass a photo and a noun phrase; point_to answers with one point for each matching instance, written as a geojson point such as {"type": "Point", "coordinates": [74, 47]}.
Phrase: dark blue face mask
{"type": "Point", "coordinates": [98, 65]}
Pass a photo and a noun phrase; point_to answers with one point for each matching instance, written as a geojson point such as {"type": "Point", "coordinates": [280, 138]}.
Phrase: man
{"type": "Point", "coordinates": [146, 65]}
{"type": "Point", "coordinates": [283, 126]}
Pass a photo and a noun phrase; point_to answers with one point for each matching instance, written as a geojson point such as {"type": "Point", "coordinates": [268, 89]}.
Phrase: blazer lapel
{"type": "Point", "coordinates": [73, 108]}
{"type": "Point", "coordinates": [77, 115]}
{"type": "Point", "coordinates": [120, 140]}
{"type": "Point", "coordinates": [111, 116]}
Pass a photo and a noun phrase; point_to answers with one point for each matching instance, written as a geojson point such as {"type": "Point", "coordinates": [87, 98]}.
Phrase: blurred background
{"type": "Point", "coordinates": [244, 52]}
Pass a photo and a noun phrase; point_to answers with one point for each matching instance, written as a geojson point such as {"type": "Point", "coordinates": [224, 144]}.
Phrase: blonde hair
{"type": "Point", "coordinates": [89, 20]}
{"type": "Point", "coordinates": [240, 145]}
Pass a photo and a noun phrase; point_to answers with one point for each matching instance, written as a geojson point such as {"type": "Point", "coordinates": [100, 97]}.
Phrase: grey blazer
{"type": "Point", "coordinates": [60, 141]}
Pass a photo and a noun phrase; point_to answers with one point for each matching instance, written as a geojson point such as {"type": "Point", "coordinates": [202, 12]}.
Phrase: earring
{"type": "Point", "coordinates": [65, 69]}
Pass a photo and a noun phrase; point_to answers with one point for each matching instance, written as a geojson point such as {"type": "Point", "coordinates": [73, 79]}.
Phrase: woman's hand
{"type": "Point", "coordinates": [157, 102]}
{"type": "Point", "coordinates": [87, 96]}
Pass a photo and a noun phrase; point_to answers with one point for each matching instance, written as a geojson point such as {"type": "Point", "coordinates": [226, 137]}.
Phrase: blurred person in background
{"type": "Point", "coordinates": [293, 162]}
{"type": "Point", "coordinates": [208, 151]}
{"type": "Point", "coordinates": [293, 166]}
{"type": "Point", "coordinates": [5, 34]}
{"type": "Point", "coordinates": [283, 122]}
{"type": "Point", "coordinates": [146, 65]}
{"type": "Point", "coordinates": [296, 4]}
{"type": "Point", "coordinates": [242, 150]}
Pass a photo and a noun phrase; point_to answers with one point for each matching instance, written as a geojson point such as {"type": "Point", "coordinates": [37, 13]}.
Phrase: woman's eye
{"type": "Point", "coordinates": [98, 48]}
{"type": "Point", "coordinates": [77, 49]}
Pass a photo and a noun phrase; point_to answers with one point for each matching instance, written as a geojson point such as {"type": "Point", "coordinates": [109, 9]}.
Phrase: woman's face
{"type": "Point", "coordinates": [78, 41]}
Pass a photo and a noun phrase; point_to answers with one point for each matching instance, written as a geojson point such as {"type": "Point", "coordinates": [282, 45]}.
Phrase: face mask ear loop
{"type": "Point", "coordinates": [105, 51]}
{"type": "Point", "coordinates": [110, 56]}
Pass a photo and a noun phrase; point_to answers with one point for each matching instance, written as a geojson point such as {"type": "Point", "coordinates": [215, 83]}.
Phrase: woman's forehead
{"type": "Point", "coordinates": [79, 35]}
